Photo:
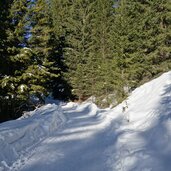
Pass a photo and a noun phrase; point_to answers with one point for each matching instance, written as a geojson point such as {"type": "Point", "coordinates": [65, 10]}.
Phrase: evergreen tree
{"type": "Point", "coordinates": [59, 13]}
{"type": "Point", "coordinates": [102, 48]}
{"type": "Point", "coordinates": [127, 29]}
{"type": "Point", "coordinates": [30, 56]}
{"type": "Point", "coordinates": [42, 43]}
{"type": "Point", "coordinates": [86, 27]}
{"type": "Point", "coordinates": [74, 21]}
{"type": "Point", "coordinates": [140, 38]}
{"type": "Point", "coordinates": [12, 45]}
{"type": "Point", "coordinates": [158, 35]}
{"type": "Point", "coordinates": [4, 13]}
{"type": "Point", "coordinates": [105, 69]}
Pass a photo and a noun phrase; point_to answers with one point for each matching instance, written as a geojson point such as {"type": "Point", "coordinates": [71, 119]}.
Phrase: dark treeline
{"type": "Point", "coordinates": [74, 49]}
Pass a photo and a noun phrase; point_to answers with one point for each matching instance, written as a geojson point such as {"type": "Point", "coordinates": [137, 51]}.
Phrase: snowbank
{"type": "Point", "coordinates": [19, 136]}
{"type": "Point", "coordinates": [147, 98]}
{"type": "Point", "coordinates": [143, 143]}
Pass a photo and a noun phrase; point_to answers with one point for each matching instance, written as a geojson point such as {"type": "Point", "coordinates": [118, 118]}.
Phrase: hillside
{"type": "Point", "coordinates": [82, 137]}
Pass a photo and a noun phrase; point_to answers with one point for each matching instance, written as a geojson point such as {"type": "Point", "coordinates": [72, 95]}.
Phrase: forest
{"type": "Point", "coordinates": [76, 49]}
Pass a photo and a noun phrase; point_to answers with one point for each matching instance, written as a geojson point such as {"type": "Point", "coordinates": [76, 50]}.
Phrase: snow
{"type": "Point", "coordinates": [82, 137]}
{"type": "Point", "coordinates": [22, 87]}
{"type": "Point", "coordinates": [18, 137]}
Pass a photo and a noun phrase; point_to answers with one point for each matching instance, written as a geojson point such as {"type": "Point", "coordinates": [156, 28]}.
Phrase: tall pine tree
{"type": "Point", "coordinates": [42, 43]}
{"type": "Point", "coordinates": [74, 20]}
{"type": "Point", "coordinates": [30, 55]}
{"type": "Point", "coordinates": [105, 64]}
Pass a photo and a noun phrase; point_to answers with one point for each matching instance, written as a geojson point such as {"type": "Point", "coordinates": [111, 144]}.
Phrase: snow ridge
{"type": "Point", "coordinates": [18, 139]}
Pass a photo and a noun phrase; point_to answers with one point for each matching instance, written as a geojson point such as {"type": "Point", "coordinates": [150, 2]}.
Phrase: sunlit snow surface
{"type": "Point", "coordinates": [75, 137]}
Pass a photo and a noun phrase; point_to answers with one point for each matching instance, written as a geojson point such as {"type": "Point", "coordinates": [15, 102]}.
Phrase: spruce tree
{"type": "Point", "coordinates": [4, 13]}
{"type": "Point", "coordinates": [103, 50]}
{"type": "Point", "coordinates": [42, 43]}
{"type": "Point", "coordinates": [86, 27]}
{"type": "Point", "coordinates": [58, 11]}
{"type": "Point", "coordinates": [158, 35]}
{"type": "Point", "coordinates": [140, 38]}
{"type": "Point", "coordinates": [30, 56]}
{"type": "Point", "coordinates": [74, 21]}
{"type": "Point", "coordinates": [10, 49]}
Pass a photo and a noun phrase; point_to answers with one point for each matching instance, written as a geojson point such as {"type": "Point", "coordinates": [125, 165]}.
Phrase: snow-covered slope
{"type": "Point", "coordinates": [18, 137]}
{"type": "Point", "coordinates": [144, 142]}
{"type": "Point", "coordinates": [75, 137]}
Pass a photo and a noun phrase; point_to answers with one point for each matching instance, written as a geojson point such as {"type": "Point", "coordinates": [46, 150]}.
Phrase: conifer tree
{"type": "Point", "coordinates": [86, 27]}
{"type": "Point", "coordinates": [30, 54]}
{"type": "Point", "coordinates": [4, 13]}
{"type": "Point", "coordinates": [127, 28]}
{"type": "Point", "coordinates": [74, 21]}
{"type": "Point", "coordinates": [12, 44]}
{"type": "Point", "coordinates": [58, 12]}
{"type": "Point", "coordinates": [42, 43]}
{"type": "Point", "coordinates": [103, 49]}
{"type": "Point", "coordinates": [158, 35]}
{"type": "Point", "coordinates": [140, 36]}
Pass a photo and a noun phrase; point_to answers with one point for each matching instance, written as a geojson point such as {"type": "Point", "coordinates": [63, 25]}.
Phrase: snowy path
{"type": "Point", "coordinates": [80, 146]}
{"type": "Point", "coordinates": [93, 140]}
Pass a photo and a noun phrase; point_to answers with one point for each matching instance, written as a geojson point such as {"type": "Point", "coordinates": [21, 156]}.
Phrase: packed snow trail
{"type": "Point", "coordinates": [85, 138]}
{"type": "Point", "coordinates": [80, 146]}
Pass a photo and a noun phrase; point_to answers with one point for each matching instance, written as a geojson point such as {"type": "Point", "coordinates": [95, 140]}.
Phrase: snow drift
{"type": "Point", "coordinates": [18, 137]}
{"type": "Point", "coordinates": [144, 142]}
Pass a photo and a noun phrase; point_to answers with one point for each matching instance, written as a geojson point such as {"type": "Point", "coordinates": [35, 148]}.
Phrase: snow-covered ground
{"type": "Point", "coordinates": [75, 137]}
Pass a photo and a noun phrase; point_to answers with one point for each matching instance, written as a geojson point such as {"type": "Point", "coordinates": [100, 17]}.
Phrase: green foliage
{"type": "Point", "coordinates": [112, 47]}
{"type": "Point", "coordinates": [74, 21]}
{"type": "Point", "coordinates": [142, 39]}
{"type": "Point", "coordinates": [30, 55]}
{"type": "Point", "coordinates": [105, 64]}
{"type": "Point", "coordinates": [100, 48]}
{"type": "Point", "coordinates": [86, 26]}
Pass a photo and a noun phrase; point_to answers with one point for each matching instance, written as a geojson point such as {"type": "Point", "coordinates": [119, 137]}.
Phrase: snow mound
{"type": "Point", "coordinates": [147, 98]}
{"type": "Point", "coordinates": [144, 136]}
{"type": "Point", "coordinates": [19, 136]}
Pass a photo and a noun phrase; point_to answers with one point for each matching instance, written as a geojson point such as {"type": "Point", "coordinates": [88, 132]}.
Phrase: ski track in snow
{"type": "Point", "coordinates": [91, 139]}
{"type": "Point", "coordinates": [127, 145]}
{"type": "Point", "coordinates": [84, 134]}
{"type": "Point", "coordinates": [89, 136]}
